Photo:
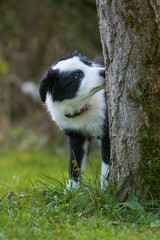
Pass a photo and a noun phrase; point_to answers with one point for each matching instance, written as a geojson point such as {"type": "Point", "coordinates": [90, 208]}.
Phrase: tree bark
{"type": "Point", "coordinates": [130, 38]}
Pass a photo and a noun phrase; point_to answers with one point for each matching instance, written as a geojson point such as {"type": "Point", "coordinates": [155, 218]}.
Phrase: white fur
{"type": "Point", "coordinates": [89, 123]}
{"type": "Point", "coordinates": [104, 175]}
{"type": "Point", "coordinates": [69, 64]}
{"type": "Point", "coordinates": [72, 184]}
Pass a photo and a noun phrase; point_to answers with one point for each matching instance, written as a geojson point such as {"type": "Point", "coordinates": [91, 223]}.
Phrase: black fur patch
{"type": "Point", "coordinates": [61, 85]}
{"type": "Point", "coordinates": [46, 83]}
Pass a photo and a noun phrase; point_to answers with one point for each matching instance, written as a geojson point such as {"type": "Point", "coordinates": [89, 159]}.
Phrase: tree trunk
{"type": "Point", "coordinates": [130, 36]}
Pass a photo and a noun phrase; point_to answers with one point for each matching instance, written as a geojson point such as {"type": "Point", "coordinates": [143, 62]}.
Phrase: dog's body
{"type": "Point", "coordinates": [73, 91]}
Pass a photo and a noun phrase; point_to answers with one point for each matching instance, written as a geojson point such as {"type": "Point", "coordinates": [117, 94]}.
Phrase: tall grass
{"type": "Point", "coordinates": [45, 209]}
{"type": "Point", "coordinates": [92, 202]}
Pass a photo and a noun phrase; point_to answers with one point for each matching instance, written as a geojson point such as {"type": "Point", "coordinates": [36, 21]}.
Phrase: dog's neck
{"type": "Point", "coordinates": [78, 113]}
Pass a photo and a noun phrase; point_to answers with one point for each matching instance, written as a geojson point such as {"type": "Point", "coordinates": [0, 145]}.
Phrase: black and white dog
{"type": "Point", "coordinates": [73, 92]}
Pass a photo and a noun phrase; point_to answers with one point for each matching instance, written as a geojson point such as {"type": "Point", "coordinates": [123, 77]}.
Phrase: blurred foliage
{"type": "Point", "coordinates": [3, 68]}
{"type": "Point", "coordinates": [37, 32]}
{"type": "Point", "coordinates": [33, 34]}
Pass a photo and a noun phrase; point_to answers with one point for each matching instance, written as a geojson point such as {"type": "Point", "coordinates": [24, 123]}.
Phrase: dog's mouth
{"type": "Point", "coordinates": [97, 89]}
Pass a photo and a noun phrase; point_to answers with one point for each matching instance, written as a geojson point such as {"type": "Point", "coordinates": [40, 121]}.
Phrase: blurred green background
{"type": "Point", "coordinates": [33, 34]}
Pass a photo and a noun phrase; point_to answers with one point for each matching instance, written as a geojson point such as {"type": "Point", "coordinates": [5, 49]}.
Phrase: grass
{"type": "Point", "coordinates": [35, 205]}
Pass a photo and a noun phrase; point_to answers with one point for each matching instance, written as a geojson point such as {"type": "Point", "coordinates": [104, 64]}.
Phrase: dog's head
{"type": "Point", "coordinates": [72, 76]}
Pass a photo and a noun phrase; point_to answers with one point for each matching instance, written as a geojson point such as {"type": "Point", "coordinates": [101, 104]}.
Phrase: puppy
{"type": "Point", "coordinates": [73, 91]}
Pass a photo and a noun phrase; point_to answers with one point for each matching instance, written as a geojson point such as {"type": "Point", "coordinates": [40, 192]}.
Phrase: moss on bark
{"type": "Point", "coordinates": [149, 169]}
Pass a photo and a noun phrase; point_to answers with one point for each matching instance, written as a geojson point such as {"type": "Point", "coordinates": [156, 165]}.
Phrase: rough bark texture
{"type": "Point", "coordinates": [131, 46]}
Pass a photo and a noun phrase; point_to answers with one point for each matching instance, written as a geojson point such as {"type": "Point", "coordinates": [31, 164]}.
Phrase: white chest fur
{"type": "Point", "coordinates": [90, 123]}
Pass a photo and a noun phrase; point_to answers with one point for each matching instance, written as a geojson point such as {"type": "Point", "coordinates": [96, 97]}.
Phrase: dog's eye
{"type": "Point", "coordinates": [77, 74]}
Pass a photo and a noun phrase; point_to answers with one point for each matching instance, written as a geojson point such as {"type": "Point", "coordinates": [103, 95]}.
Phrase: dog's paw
{"type": "Point", "coordinates": [72, 185]}
{"type": "Point", "coordinates": [104, 182]}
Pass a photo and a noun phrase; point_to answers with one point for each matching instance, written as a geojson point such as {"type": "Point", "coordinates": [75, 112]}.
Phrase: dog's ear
{"type": "Point", "coordinates": [45, 84]}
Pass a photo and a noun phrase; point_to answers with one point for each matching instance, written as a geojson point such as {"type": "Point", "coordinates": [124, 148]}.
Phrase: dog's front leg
{"type": "Point", "coordinates": [105, 161]}
{"type": "Point", "coordinates": [79, 146]}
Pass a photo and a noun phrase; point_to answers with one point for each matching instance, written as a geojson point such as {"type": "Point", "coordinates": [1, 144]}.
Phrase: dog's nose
{"type": "Point", "coordinates": [102, 73]}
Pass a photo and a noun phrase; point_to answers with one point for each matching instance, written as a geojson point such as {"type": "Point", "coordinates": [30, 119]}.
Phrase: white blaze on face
{"type": "Point", "coordinates": [69, 65]}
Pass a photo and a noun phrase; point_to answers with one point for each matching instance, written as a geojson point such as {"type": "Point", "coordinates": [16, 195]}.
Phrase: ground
{"type": "Point", "coordinates": [35, 206]}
